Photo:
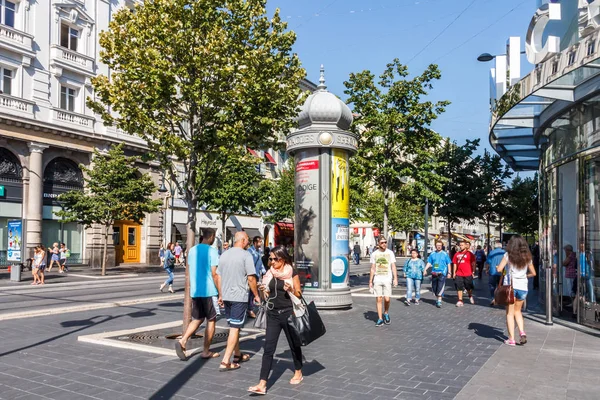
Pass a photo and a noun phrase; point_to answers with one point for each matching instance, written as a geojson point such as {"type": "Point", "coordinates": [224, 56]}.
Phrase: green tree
{"type": "Point", "coordinates": [237, 190]}
{"type": "Point", "coordinates": [460, 196]}
{"type": "Point", "coordinates": [114, 191]}
{"type": "Point", "coordinates": [277, 196]}
{"type": "Point", "coordinates": [523, 207]}
{"type": "Point", "coordinates": [404, 215]}
{"type": "Point", "coordinates": [492, 176]}
{"type": "Point", "coordinates": [394, 123]}
{"type": "Point", "coordinates": [194, 76]}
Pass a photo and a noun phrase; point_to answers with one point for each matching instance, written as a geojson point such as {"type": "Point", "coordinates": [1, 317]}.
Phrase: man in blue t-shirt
{"type": "Point", "coordinates": [491, 265]}
{"type": "Point", "coordinates": [439, 262]}
{"type": "Point", "coordinates": [203, 260]}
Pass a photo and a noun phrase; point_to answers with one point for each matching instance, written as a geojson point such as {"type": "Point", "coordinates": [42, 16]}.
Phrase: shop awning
{"type": "Point", "coordinates": [253, 152]}
{"type": "Point", "coordinates": [252, 232]}
{"type": "Point", "coordinates": [459, 236]}
{"type": "Point", "coordinates": [270, 159]}
{"type": "Point", "coordinates": [182, 228]}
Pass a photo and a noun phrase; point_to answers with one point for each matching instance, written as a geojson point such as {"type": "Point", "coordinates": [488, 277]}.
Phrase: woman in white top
{"type": "Point", "coordinates": [520, 267]}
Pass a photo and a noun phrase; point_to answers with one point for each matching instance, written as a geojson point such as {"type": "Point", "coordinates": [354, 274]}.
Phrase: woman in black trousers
{"type": "Point", "coordinates": [280, 280]}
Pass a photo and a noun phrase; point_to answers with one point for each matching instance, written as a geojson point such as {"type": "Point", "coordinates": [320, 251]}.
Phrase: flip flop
{"type": "Point", "coordinates": [241, 358]}
{"type": "Point", "coordinates": [180, 350]}
{"type": "Point", "coordinates": [294, 381]}
{"type": "Point", "coordinates": [210, 355]}
{"type": "Point", "coordinates": [256, 390]}
{"type": "Point", "coordinates": [226, 367]}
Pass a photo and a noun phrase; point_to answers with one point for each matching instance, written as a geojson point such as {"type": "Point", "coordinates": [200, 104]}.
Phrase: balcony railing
{"type": "Point", "coordinates": [69, 58]}
{"type": "Point", "coordinates": [13, 35]}
{"type": "Point", "coordinates": [74, 118]}
{"type": "Point", "coordinates": [16, 103]}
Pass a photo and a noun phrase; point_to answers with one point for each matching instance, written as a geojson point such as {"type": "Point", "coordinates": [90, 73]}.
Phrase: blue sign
{"type": "Point", "coordinates": [15, 240]}
{"type": "Point", "coordinates": [340, 228]}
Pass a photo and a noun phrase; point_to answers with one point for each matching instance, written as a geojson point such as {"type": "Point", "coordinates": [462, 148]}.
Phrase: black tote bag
{"type": "Point", "coordinates": [307, 328]}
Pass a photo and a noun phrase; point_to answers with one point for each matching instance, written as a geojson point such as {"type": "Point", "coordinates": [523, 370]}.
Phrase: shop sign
{"type": "Point", "coordinates": [356, 231]}
{"type": "Point", "coordinates": [376, 232]}
{"type": "Point", "coordinates": [15, 240]}
{"type": "Point", "coordinates": [1, 191]}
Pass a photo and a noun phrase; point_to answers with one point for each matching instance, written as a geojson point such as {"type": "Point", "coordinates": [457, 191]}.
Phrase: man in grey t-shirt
{"type": "Point", "coordinates": [237, 272]}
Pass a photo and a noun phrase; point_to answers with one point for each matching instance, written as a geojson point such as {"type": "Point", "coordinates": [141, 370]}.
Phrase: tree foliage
{"type": "Point", "coordinates": [394, 120]}
{"type": "Point", "coordinates": [114, 191]}
{"type": "Point", "coordinates": [193, 77]}
{"type": "Point", "coordinates": [523, 206]}
{"type": "Point", "coordinates": [404, 215]}
{"type": "Point", "coordinates": [277, 196]}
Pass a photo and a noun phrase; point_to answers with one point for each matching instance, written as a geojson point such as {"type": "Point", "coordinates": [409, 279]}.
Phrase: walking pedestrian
{"type": "Point", "coordinates": [479, 260]}
{"type": "Point", "coordinates": [43, 257]}
{"type": "Point", "coordinates": [178, 251]}
{"type": "Point", "coordinates": [169, 266]}
{"type": "Point", "coordinates": [383, 274]}
{"type": "Point", "coordinates": [64, 255]}
{"type": "Point", "coordinates": [491, 267]}
{"type": "Point", "coordinates": [519, 267]}
{"type": "Point", "coordinates": [203, 260]}
{"type": "Point", "coordinates": [413, 272]}
{"type": "Point", "coordinates": [38, 256]}
{"type": "Point", "coordinates": [54, 251]}
{"type": "Point", "coordinates": [254, 250]}
{"type": "Point", "coordinates": [225, 247]}
{"type": "Point", "coordinates": [279, 282]}
{"type": "Point", "coordinates": [463, 272]}
{"type": "Point", "coordinates": [438, 261]}
{"type": "Point", "coordinates": [570, 266]}
{"type": "Point", "coordinates": [356, 251]}
{"type": "Point", "coordinates": [237, 274]}
{"type": "Point", "coordinates": [161, 254]}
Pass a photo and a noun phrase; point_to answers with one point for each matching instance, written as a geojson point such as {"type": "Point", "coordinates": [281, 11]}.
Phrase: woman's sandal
{"type": "Point", "coordinates": [241, 358]}
{"type": "Point", "coordinates": [257, 390]}
{"type": "Point", "coordinates": [296, 381]}
{"type": "Point", "coordinates": [523, 338]}
{"type": "Point", "coordinates": [509, 342]}
{"type": "Point", "coordinates": [228, 366]}
{"type": "Point", "coordinates": [180, 350]}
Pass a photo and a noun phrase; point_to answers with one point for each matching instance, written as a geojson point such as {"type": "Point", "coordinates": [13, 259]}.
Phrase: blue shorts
{"type": "Point", "coordinates": [235, 312]}
{"type": "Point", "coordinates": [520, 294]}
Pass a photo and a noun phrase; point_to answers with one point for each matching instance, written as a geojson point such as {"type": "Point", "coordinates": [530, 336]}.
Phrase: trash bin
{"type": "Point", "coordinates": [15, 273]}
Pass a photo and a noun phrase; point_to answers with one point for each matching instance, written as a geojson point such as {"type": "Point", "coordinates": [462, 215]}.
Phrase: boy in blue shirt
{"type": "Point", "coordinates": [492, 262]}
{"type": "Point", "coordinates": [439, 262]}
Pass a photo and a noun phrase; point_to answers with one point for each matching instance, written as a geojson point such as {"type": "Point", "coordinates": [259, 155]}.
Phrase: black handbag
{"type": "Point", "coordinates": [308, 327]}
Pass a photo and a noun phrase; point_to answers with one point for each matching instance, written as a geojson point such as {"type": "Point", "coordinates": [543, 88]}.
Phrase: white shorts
{"type": "Point", "coordinates": [382, 289]}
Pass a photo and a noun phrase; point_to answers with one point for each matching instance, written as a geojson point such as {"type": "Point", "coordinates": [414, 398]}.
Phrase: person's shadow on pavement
{"type": "Point", "coordinates": [487, 331]}
{"type": "Point", "coordinates": [371, 316]}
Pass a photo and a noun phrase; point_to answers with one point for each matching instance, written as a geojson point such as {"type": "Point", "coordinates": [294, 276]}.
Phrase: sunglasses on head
{"type": "Point", "coordinates": [273, 259]}
{"type": "Point", "coordinates": [384, 242]}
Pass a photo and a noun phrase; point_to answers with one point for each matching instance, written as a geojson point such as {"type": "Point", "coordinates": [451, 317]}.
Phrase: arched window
{"type": "Point", "coordinates": [10, 167]}
{"type": "Point", "coordinates": [63, 173]}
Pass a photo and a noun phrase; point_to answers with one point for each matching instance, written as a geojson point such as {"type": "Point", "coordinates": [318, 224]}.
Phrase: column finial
{"type": "Point", "coordinates": [322, 85]}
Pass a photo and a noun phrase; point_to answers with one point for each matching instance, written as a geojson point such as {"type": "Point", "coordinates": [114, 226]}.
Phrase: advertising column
{"type": "Point", "coordinates": [340, 214]}
{"type": "Point", "coordinates": [15, 239]}
{"type": "Point", "coordinates": [307, 216]}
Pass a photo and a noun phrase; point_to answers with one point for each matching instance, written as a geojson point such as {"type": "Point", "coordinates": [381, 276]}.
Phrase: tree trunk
{"type": "Point", "coordinates": [487, 239]}
{"type": "Point", "coordinates": [223, 229]}
{"type": "Point", "coordinates": [385, 213]}
{"type": "Point", "coordinates": [104, 251]}
{"type": "Point", "coordinates": [192, 205]}
{"type": "Point", "coordinates": [500, 226]}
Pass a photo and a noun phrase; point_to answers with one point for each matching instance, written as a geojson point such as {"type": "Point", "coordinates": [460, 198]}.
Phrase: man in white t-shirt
{"type": "Point", "coordinates": [383, 268]}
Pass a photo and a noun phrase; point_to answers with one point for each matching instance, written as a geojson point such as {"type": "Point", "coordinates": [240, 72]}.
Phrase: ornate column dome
{"type": "Point", "coordinates": [324, 108]}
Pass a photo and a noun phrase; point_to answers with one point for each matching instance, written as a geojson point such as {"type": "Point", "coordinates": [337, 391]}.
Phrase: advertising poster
{"type": "Point", "coordinates": [15, 240]}
{"type": "Point", "coordinates": [340, 223]}
{"type": "Point", "coordinates": [306, 235]}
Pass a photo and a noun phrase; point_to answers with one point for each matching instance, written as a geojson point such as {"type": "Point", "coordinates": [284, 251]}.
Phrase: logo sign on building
{"type": "Point", "coordinates": [15, 240]}
{"type": "Point", "coordinates": [1, 191]}
{"type": "Point", "coordinates": [340, 219]}
{"type": "Point", "coordinates": [307, 246]}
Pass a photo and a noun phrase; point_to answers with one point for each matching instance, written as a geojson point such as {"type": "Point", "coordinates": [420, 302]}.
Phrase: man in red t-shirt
{"type": "Point", "coordinates": [463, 271]}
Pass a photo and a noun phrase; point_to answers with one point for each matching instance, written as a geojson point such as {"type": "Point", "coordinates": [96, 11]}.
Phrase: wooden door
{"type": "Point", "coordinates": [127, 242]}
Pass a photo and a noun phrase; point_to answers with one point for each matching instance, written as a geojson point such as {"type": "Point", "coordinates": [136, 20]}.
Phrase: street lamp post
{"type": "Point", "coordinates": [485, 57]}
{"type": "Point", "coordinates": [163, 189]}
{"type": "Point", "coordinates": [426, 241]}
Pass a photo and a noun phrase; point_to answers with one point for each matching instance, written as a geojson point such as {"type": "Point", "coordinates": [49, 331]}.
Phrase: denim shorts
{"type": "Point", "coordinates": [520, 294]}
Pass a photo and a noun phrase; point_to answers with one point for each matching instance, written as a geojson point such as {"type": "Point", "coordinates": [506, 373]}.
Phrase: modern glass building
{"type": "Point", "coordinates": [549, 121]}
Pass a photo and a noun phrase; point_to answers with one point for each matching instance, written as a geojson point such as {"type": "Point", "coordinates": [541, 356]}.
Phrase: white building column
{"type": "Point", "coordinates": [35, 195]}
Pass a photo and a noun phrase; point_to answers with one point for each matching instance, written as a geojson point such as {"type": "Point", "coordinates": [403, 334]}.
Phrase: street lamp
{"type": "Point", "coordinates": [485, 57]}
{"type": "Point", "coordinates": [163, 189]}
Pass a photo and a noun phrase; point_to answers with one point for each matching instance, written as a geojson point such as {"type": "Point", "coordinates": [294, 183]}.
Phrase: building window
{"type": "Point", "coordinates": [6, 84]}
{"type": "Point", "coordinates": [571, 58]}
{"type": "Point", "coordinates": [8, 8]}
{"type": "Point", "coordinates": [67, 98]}
{"type": "Point", "coordinates": [554, 67]}
{"type": "Point", "coordinates": [68, 37]}
{"type": "Point", "coordinates": [591, 48]}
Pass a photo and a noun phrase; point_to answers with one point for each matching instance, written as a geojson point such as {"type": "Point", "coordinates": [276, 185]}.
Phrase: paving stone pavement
{"type": "Point", "coordinates": [426, 353]}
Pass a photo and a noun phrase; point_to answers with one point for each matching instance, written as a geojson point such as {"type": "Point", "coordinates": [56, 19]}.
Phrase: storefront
{"type": "Point", "coordinates": [549, 122]}
{"type": "Point", "coordinates": [11, 196]}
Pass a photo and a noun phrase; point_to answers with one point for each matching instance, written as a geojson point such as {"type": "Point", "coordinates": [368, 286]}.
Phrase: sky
{"type": "Point", "coordinates": [354, 35]}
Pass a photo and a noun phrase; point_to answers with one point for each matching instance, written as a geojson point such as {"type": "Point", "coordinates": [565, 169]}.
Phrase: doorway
{"type": "Point", "coordinates": [126, 238]}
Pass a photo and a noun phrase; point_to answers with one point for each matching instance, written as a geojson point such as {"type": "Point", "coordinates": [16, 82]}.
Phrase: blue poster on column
{"type": "Point", "coordinates": [339, 252]}
{"type": "Point", "coordinates": [15, 240]}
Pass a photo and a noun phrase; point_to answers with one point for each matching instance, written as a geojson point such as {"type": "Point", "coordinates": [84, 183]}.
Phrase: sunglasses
{"type": "Point", "coordinates": [273, 259]}
{"type": "Point", "coordinates": [385, 242]}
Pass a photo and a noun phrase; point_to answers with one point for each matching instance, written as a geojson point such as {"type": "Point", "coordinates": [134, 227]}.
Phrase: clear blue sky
{"type": "Point", "coordinates": [353, 35]}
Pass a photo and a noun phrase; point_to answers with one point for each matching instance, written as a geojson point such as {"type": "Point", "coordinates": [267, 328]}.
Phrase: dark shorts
{"type": "Point", "coordinates": [203, 308]}
{"type": "Point", "coordinates": [464, 282]}
{"type": "Point", "coordinates": [63, 261]}
{"type": "Point", "coordinates": [235, 312]}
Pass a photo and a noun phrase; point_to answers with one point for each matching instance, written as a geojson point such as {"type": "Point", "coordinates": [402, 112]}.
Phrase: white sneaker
{"type": "Point", "coordinates": [162, 287]}
{"type": "Point", "coordinates": [171, 289]}
{"type": "Point", "coordinates": [472, 299]}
